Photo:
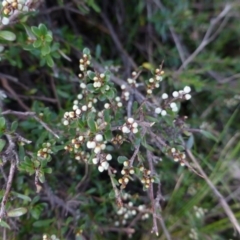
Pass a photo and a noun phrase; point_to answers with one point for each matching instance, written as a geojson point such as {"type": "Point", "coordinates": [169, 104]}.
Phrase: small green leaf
{"type": "Point", "coordinates": [37, 43]}
{"type": "Point", "coordinates": [122, 159]}
{"type": "Point", "coordinates": [110, 94]}
{"type": "Point", "coordinates": [107, 116]}
{"type": "Point", "coordinates": [2, 144]}
{"type": "Point", "coordinates": [50, 61]}
{"type": "Point", "coordinates": [48, 37]}
{"type": "Point", "coordinates": [7, 35]}
{"type": "Point", "coordinates": [45, 50]}
{"type": "Point", "coordinates": [98, 51]}
{"type": "Point", "coordinates": [92, 125]}
{"type": "Point", "coordinates": [17, 212]}
{"type": "Point", "coordinates": [42, 223]}
{"type": "Point", "coordinates": [21, 196]}
{"type": "Point", "coordinates": [190, 142]}
{"type": "Point", "coordinates": [4, 224]}
{"type": "Point", "coordinates": [14, 126]}
{"type": "Point", "coordinates": [2, 122]}
{"type": "Point", "coordinates": [91, 74]}
{"type": "Point", "coordinates": [42, 29]}
{"type": "Point", "coordinates": [86, 51]}
{"type": "Point", "coordinates": [41, 177]}
{"type": "Point", "coordinates": [108, 135]}
{"type": "Point", "coordinates": [47, 170]}
{"type": "Point", "coordinates": [36, 31]}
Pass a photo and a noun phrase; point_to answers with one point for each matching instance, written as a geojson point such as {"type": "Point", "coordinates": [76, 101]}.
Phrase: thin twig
{"type": "Point", "coordinates": [209, 36]}
{"type": "Point", "coordinates": [8, 188]}
{"type": "Point", "coordinates": [219, 196]}
{"type": "Point", "coordinates": [154, 210]}
{"type": "Point", "coordinates": [116, 191]}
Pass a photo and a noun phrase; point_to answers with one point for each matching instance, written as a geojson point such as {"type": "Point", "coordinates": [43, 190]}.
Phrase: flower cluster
{"type": "Point", "coordinates": [84, 62]}
{"type": "Point", "coordinates": [199, 212]}
{"type": "Point", "coordinates": [102, 161]}
{"type": "Point", "coordinates": [130, 126]}
{"type": "Point", "coordinates": [128, 211]}
{"type": "Point", "coordinates": [170, 103]}
{"type": "Point", "coordinates": [117, 140]}
{"type": "Point", "coordinates": [132, 81]}
{"type": "Point", "coordinates": [52, 237]}
{"type": "Point", "coordinates": [126, 172]}
{"type": "Point", "coordinates": [97, 144]}
{"type": "Point", "coordinates": [115, 104]}
{"type": "Point", "coordinates": [178, 156]}
{"type": "Point", "coordinates": [45, 151]}
{"type": "Point", "coordinates": [154, 82]}
{"type": "Point", "coordinates": [125, 93]}
{"type": "Point", "coordinates": [193, 234]}
{"type": "Point", "coordinates": [9, 6]}
{"type": "Point", "coordinates": [182, 94]}
{"type": "Point", "coordinates": [146, 178]}
{"type": "Point", "coordinates": [99, 80]}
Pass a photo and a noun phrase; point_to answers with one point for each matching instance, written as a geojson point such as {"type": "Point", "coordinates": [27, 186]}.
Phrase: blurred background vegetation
{"type": "Point", "coordinates": [198, 41]}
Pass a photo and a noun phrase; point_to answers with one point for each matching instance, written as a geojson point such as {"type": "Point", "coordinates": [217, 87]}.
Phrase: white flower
{"type": "Point", "coordinates": [97, 149]}
{"type": "Point", "coordinates": [89, 105]}
{"type": "Point", "coordinates": [123, 87]}
{"type": "Point", "coordinates": [109, 157]}
{"type": "Point", "coordinates": [102, 75]}
{"type": "Point", "coordinates": [80, 138]}
{"type": "Point", "coordinates": [100, 168]}
{"type": "Point", "coordinates": [125, 163]}
{"type": "Point", "coordinates": [78, 111]}
{"type": "Point", "coordinates": [65, 122]}
{"type": "Point", "coordinates": [175, 94]}
{"type": "Point", "coordinates": [95, 160]}
{"type": "Point", "coordinates": [164, 96]}
{"type": "Point", "coordinates": [158, 110]}
{"type": "Point", "coordinates": [83, 85]}
{"type": "Point", "coordinates": [103, 146]}
{"type": "Point", "coordinates": [5, 21]}
{"type": "Point", "coordinates": [134, 130]}
{"type": "Point", "coordinates": [95, 84]}
{"type": "Point", "coordinates": [173, 105]}
{"type": "Point", "coordinates": [163, 113]}
{"type": "Point", "coordinates": [75, 107]}
{"type": "Point", "coordinates": [130, 81]}
{"type": "Point", "coordinates": [99, 138]}
{"type": "Point", "coordinates": [79, 96]}
{"type": "Point", "coordinates": [125, 129]}
{"type": "Point", "coordinates": [84, 108]}
{"type": "Point", "coordinates": [119, 104]}
{"type": "Point", "coordinates": [159, 78]}
{"type": "Point", "coordinates": [149, 91]}
{"type": "Point", "coordinates": [187, 89]}
{"type": "Point", "coordinates": [130, 120]}
{"type": "Point", "coordinates": [188, 96]}
{"type": "Point", "coordinates": [106, 105]}
{"type": "Point", "coordinates": [151, 80]}
{"type": "Point", "coordinates": [105, 165]}
{"type": "Point", "coordinates": [91, 144]}
{"type": "Point", "coordinates": [135, 125]}
{"type": "Point", "coordinates": [117, 99]}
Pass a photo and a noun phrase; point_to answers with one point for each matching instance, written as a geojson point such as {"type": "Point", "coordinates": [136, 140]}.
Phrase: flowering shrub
{"type": "Point", "coordinates": [122, 135]}
{"type": "Point", "coordinates": [91, 150]}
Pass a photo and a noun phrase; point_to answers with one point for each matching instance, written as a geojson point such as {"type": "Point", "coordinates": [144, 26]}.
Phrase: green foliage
{"type": "Point", "coordinates": [92, 148]}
